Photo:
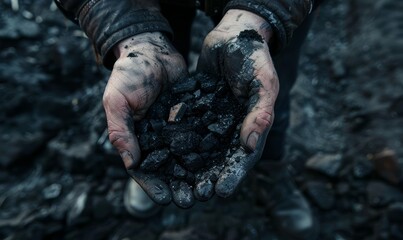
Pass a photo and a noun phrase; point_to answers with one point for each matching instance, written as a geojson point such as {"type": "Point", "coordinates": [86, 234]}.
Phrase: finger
{"type": "Point", "coordinates": [182, 194]}
{"type": "Point", "coordinates": [205, 181]}
{"type": "Point", "coordinates": [121, 127]}
{"type": "Point", "coordinates": [237, 167]}
{"type": "Point", "coordinates": [260, 112]}
{"type": "Point", "coordinates": [251, 75]}
{"type": "Point", "coordinates": [204, 190]}
{"type": "Point", "coordinates": [155, 188]}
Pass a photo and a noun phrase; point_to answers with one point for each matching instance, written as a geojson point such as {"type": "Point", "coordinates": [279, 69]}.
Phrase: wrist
{"type": "Point", "coordinates": [138, 42]}
{"type": "Point", "coordinates": [239, 20]}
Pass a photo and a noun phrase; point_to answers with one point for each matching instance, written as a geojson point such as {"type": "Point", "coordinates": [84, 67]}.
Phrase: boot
{"type": "Point", "coordinates": [137, 202]}
{"type": "Point", "coordinates": [287, 207]}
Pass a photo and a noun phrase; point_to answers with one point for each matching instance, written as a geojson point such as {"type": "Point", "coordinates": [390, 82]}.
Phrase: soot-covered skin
{"type": "Point", "coordinates": [192, 150]}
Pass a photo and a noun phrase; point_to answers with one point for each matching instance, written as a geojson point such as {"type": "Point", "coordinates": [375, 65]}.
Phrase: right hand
{"type": "Point", "coordinates": [145, 63]}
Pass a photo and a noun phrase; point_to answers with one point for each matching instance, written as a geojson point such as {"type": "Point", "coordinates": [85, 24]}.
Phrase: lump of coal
{"type": "Point", "coordinates": [208, 143]}
{"type": "Point", "coordinates": [184, 143]}
{"type": "Point", "coordinates": [223, 125]}
{"type": "Point", "coordinates": [157, 124]}
{"type": "Point", "coordinates": [204, 103]}
{"type": "Point", "coordinates": [179, 171]}
{"type": "Point", "coordinates": [177, 112]}
{"type": "Point", "coordinates": [192, 161]}
{"type": "Point", "coordinates": [155, 159]}
{"type": "Point", "coordinates": [185, 86]}
{"type": "Point", "coordinates": [189, 130]}
{"type": "Point", "coordinates": [150, 141]}
{"type": "Point", "coordinates": [208, 84]}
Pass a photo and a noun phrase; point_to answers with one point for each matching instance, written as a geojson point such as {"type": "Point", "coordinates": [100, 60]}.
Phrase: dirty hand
{"type": "Point", "coordinates": [237, 50]}
{"type": "Point", "coordinates": [145, 63]}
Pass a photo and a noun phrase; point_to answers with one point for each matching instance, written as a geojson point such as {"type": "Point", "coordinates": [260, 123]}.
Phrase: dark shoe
{"type": "Point", "coordinates": [288, 208]}
{"type": "Point", "coordinates": [137, 202]}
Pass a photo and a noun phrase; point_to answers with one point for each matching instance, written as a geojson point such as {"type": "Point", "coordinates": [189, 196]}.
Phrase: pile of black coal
{"type": "Point", "coordinates": [190, 130]}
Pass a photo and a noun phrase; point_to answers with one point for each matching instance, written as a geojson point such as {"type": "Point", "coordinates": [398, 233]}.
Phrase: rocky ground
{"type": "Point", "coordinates": [60, 177]}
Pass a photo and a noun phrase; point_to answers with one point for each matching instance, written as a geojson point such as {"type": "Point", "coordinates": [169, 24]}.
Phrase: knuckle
{"type": "Point", "coordinates": [118, 138]}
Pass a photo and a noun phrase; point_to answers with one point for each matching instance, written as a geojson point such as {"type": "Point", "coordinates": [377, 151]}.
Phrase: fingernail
{"type": "Point", "coordinates": [252, 140]}
{"type": "Point", "coordinates": [127, 158]}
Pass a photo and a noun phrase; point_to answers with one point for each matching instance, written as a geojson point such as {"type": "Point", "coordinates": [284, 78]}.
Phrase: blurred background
{"type": "Point", "coordinates": [61, 179]}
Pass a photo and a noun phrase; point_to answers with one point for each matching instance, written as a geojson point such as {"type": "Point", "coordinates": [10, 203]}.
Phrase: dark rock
{"type": "Point", "coordinates": [362, 168]}
{"type": "Point", "coordinates": [157, 124]}
{"type": "Point", "coordinates": [397, 106]}
{"type": "Point", "coordinates": [380, 194]}
{"type": "Point", "coordinates": [170, 131]}
{"type": "Point", "coordinates": [78, 204]}
{"type": "Point", "coordinates": [208, 84]}
{"type": "Point", "coordinates": [208, 118]}
{"type": "Point", "coordinates": [185, 86]}
{"type": "Point", "coordinates": [321, 194]}
{"type": "Point", "coordinates": [190, 178]}
{"type": "Point", "coordinates": [15, 27]}
{"type": "Point", "coordinates": [173, 219]}
{"type": "Point", "coordinates": [387, 166]}
{"type": "Point", "coordinates": [192, 161]}
{"type": "Point", "coordinates": [52, 191]}
{"type": "Point", "coordinates": [187, 97]}
{"type": "Point", "coordinates": [395, 212]}
{"type": "Point", "coordinates": [155, 159]}
{"type": "Point", "coordinates": [158, 111]}
{"type": "Point", "coordinates": [197, 94]}
{"type": "Point", "coordinates": [328, 164]}
{"type": "Point", "coordinates": [179, 171]}
{"type": "Point", "coordinates": [222, 89]}
{"type": "Point", "coordinates": [204, 103]}
{"type": "Point", "coordinates": [101, 208]}
{"type": "Point", "coordinates": [176, 113]}
{"type": "Point", "coordinates": [184, 143]}
{"type": "Point", "coordinates": [224, 124]}
{"type": "Point", "coordinates": [19, 146]}
{"type": "Point", "coordinates": [342, 188]}
{"type": "Point", "coordinates": [208, 143]}
{"type": "Point", "coordinates": [150, 141]}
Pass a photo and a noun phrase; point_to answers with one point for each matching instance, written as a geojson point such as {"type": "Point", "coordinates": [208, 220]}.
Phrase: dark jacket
{"type": "Point", "coordinates": [107, 22]}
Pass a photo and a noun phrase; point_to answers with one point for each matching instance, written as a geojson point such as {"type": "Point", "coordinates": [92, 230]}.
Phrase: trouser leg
{"type": "Point", "coordinates": [286, 64]}
{"type": "Point", "coordinates": [180, 18]}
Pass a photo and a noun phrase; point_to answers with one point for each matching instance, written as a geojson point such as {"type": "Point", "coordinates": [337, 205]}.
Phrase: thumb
{"type": "Point", "coordinates": [121, 128]}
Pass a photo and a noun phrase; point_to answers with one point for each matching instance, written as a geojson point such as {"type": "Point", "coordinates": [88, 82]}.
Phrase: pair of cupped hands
{"type": "Point", "coordinates": [147, 63]}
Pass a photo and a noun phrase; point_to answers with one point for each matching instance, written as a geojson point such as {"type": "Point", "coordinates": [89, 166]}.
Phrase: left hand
{"type": "Point", "coordinates": [237, 50]}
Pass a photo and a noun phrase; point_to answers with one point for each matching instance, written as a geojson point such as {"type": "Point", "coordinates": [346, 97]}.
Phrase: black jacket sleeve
{"type": "Point", "coordinates": [284, 16]}
{"type": "Point", "coordinates": [107, 22]}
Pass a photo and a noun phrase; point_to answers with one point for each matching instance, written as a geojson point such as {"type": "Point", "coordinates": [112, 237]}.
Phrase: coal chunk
{"type": "Point", "coordinates": [204, 103]}
{"type": "Point", "coordinates": [208, 143]}
{"type": "Point", "coordinates": [208, 118]}
{"type": "Point", "coordinates": [208, 84]}
{"type": "Point", "coordinates": [157, 124]}
{"type": "Point", "coordinates": [158, 111]}
{"type": "Point", "coordinates": [321, 194]}
{"type": "Point", "coordinates": [150, 141]}
{"type": "Point", "coordinates": [185, 86]}
{"type": "Point", "coordinates": [142, 126]}
{"type": "Point", "coordinates": [184, 143]}
{"type": "Point", "coordinates": [224, 124]}
{"type": "Point", "coordinates": [155, 159]}
{"type": "Point", "coordinates": [328, 164]}
{"type": "Point", "coordinates": [179, 171]}
{"type": "Point", "coordinates": [192, 161]}
{"type": "Point", "coordinates": [176, 113]}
